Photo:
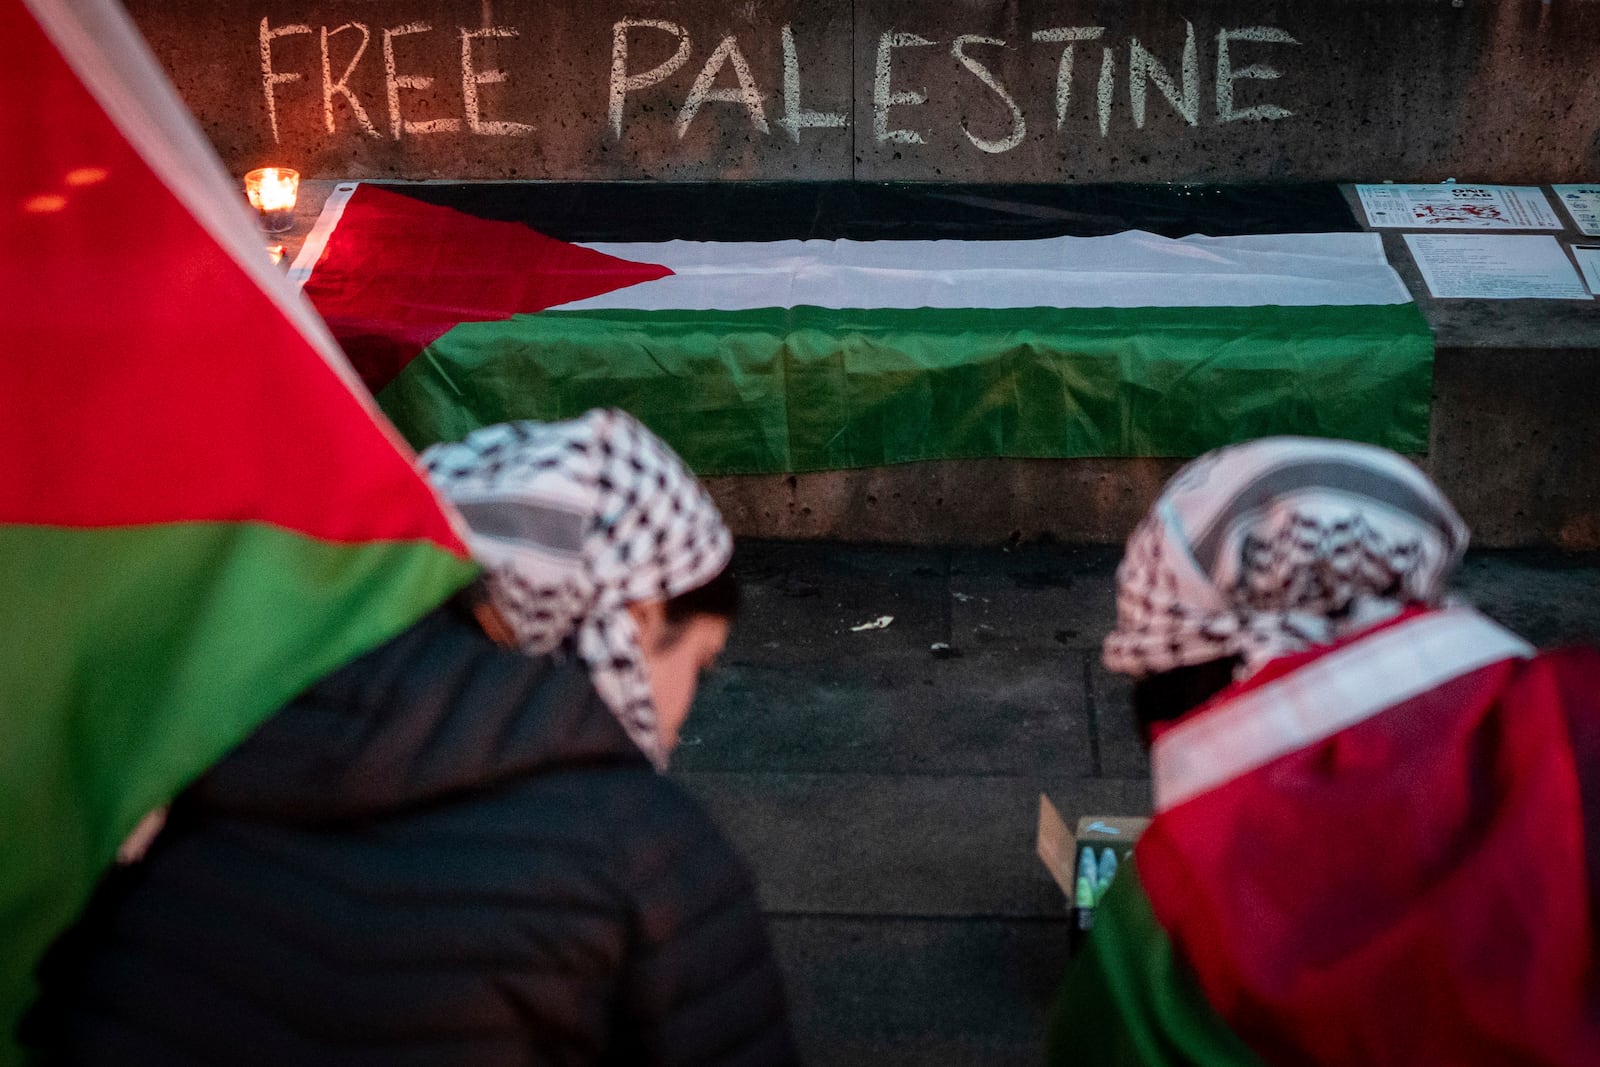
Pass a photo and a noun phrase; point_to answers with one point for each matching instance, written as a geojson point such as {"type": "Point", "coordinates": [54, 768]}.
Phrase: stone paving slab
{"type": "Point", "coordinates": [890, 992]}
{"type": "Point", "coordinates": [1039, 598]}
{"type": "Point", "coordinates": [802, 600]}
{"type": "Point", "coordinates": [902, 845]}
{"type": "Point", "coordinates": [893, 713]}
{"type": "Point", "coordinates": [984, 670]}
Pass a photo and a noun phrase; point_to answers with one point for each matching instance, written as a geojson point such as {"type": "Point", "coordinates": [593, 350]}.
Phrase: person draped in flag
{"type": "Point", "coordinates": [453, 852]}
{"type": "Point", "coordinates": [1374, 807]}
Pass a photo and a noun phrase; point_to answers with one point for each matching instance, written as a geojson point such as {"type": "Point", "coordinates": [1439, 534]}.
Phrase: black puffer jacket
{"type": "Point", "coordinates": [442, 853]}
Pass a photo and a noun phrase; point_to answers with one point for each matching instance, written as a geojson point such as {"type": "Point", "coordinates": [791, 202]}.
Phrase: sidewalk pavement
{"type": "Point", "coordinates": [884, 782]}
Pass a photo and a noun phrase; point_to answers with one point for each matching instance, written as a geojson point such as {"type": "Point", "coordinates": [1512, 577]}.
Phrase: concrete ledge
{"type": "Point", "coordinates": [1514, 442]}
{"type": "Point", "coordinates": [948, 501]}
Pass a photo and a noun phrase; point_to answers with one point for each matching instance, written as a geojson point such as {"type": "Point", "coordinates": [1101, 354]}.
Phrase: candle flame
{"type": "Point", "coordinates": [276, 190]}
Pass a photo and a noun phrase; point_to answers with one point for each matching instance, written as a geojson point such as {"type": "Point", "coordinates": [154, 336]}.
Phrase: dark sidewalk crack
{"type": "Point", "coordinates": [1092, 711]}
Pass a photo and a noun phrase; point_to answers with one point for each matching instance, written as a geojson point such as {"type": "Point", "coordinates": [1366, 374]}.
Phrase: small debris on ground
{"type": "Point", "coordinates": [880, 623]}
{"type": "Point", "coordinates": [944, 650]}
{"type": "Point", "coordinates": [796, 587]}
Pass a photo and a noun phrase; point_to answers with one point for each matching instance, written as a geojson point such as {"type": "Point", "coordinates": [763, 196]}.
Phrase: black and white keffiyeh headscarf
{"type": "Point", "coordinates": [1271, 547]}
{"type": "Point", "coordinates": [571, 522]}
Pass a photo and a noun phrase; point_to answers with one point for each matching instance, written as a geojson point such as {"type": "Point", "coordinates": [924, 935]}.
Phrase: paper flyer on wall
{"type": "Point", "coordinates": [1495, 267]}
{"type": "Point", "coordinates": [1583, 204]}
{"type": "Point", "coordinates": [1458, 207]}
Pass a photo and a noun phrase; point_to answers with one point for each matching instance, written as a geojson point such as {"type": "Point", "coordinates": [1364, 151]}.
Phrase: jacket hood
{"type": "Point", "coordinates": [436, 712]}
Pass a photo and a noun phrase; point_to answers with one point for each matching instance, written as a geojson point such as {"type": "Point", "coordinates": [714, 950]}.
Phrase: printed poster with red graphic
{"type": "Point", "coordinates": [1457, 207]}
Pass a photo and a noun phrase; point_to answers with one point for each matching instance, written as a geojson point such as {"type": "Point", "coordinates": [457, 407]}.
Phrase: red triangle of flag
{"type": "Point", "coordinates": [398, 273]}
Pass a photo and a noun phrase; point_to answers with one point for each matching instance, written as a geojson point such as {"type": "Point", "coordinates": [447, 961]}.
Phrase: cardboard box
{"type": "Point", "coordinates": [1061, 849]}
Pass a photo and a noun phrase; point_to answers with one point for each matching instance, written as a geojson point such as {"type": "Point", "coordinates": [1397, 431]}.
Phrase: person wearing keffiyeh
{"type": "Point", "coordinates": [1376, 811]}
{"type": "Point", "coordinates": [588, 531]}
{"type": "Point", "coordinates": [459, 848]}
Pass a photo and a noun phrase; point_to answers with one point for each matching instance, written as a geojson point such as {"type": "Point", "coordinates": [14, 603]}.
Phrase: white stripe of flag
{"type": "Point", "coordinates": [1130, 269]}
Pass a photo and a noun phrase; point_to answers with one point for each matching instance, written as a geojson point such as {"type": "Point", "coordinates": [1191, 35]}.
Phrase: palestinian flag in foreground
{"type": "Point", "coordinates": [764, 328]}
{"type": "Point", "coordinates": [200, 510]}
{"type": "Point", "coordinates": [1374, 854]}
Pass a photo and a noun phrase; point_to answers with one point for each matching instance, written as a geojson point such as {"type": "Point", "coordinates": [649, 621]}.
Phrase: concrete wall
{"type": "Point", "coordinates": [990, 90]}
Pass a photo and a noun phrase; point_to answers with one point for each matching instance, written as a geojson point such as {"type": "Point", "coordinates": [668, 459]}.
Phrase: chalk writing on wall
{"type": "Point", "coordinates": [726, 83]}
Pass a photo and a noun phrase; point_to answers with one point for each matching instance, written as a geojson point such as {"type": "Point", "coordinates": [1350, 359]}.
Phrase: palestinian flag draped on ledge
{"type": "Point", "coordinates": [200, 510]}
{"type": "Point", "coordinates": [1375, 854]}
{"type": "Point", "coordinates": [763, 328]}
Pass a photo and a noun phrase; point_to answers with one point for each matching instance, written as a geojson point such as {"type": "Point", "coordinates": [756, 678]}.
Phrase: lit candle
{"type": "Point", "coordinates": [272, 192]}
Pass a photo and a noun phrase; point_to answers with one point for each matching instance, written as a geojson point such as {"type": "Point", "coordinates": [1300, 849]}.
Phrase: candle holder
{"type": "Point", "coordinates": [272, 192]}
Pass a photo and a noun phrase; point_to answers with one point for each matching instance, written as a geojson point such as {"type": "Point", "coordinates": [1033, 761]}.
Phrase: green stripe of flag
{"type": "Point", "coordinates": [807, 388]}
{"type": "Point", "coordinates": [158, 648]}
{"type": "Point", "coordinates": [1131, 1002]}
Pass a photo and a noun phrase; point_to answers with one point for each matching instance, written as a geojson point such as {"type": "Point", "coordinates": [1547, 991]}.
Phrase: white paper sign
{"type": "Point", "coordinates": [1583, 204]}
{"type": "Point", "coordinates": [1588, 257]}
{"type": "Point", "coordinates": [1495, 267]}
{"type": "Point", "coordinates": [1458, 207]}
